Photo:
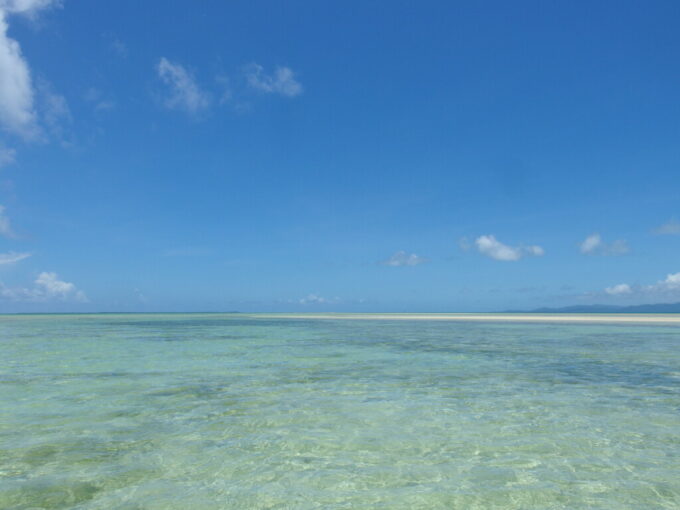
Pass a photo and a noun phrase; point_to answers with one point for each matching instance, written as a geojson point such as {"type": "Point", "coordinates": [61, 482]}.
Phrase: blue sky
{"type": "Point", "coordinates": [361, 156]}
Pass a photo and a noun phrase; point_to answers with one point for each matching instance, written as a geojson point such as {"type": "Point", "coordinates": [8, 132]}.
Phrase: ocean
{"type": "Point", "coordinates": [222, 411]}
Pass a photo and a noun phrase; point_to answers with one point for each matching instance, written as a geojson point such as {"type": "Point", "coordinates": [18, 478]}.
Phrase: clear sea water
{"type": "Point", "coordinates": [214, 411]}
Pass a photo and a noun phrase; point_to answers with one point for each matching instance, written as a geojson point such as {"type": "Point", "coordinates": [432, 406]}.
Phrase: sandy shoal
{"type": "Point", "coordinates": [490, 317]}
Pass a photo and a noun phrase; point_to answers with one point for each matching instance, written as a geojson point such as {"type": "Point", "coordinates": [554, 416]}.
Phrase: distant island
{"type": "Point", "coordinates": [652, 308]}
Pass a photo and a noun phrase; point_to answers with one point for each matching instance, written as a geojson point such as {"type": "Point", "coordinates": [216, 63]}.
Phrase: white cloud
{"type": "Point", "coordinates": [12, 257]}
{"type": "Point", "coordinates": [619, 290]}
{"type": "Point", "coordinates": [401, 258]}
{"type": "Point", "coordinates": [47, 287]}
{"type": "Point", "coordinates": [18, 113]}
{"type": "Point", "coordinates": [5, 227]}
{"type": "Point", "coordinates": [670, 284]}
{"type": "Point", "coordinates": [591, 243]}
{"type": "Point", "coordinates": [671, 227]}
{"type": "Point", "coordinates": [668, 288]}
{"type": "Point", "coordinates": [490, 246]}
{"type": "Point", "coordinates": [184, 92]}
{"type": "Point", "coordinates": [282, 82]}
{"type": "Point", "coordinates": [594, 245]}
{"type": "Point", "coordinates": [312, 299]}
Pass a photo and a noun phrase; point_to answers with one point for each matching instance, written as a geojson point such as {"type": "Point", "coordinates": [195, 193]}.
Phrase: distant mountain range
{"type": "Point", "coordinates": [655, 308]}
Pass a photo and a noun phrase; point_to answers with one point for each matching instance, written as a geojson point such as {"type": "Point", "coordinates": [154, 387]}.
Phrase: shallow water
{"type": "Point", "coordinates": [227, 411]}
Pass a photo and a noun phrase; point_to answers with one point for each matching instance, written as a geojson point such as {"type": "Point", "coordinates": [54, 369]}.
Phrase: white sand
{"type": "Point", "coordinates": [492, 317]}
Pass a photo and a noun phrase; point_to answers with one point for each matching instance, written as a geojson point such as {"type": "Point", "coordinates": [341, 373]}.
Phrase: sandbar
{"type": "Point", "coordinates": [668, 319]}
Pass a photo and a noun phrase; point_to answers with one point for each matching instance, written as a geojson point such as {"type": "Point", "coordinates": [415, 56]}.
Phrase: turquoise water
{"type": "Point", "coordinates": [227, 411]}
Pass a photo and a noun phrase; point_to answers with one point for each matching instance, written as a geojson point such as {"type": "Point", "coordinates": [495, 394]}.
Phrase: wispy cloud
{"type": "Point", "coordinates": [671, 227]}
{"type": "Point", "coordinates": [315, 299]}
{"type": "Point", "coordinates": [594, 245]}
{"type": "Point", "coordinates": [491, 247]}
{"type": "Point", "coordinates": [47, 287]}
{"type": "Point", "coordinates": [401, 259]}
{"type": "Point", "coordinates": [7, 156]}
{"type": "Point", "coordinates": [5, 226]}
{"type": "Point", "coordinates": [188, 251]}
{"type": "Point", "coordinates": [12, 257]}
{"type": "Point", "coordinates": [464, 244]}
{"type": "Point", "coordinates": [27, 7]}
{"type": "Point", "coordinates": [183, 92]}
{"type": "Point", "coordinates": [56, 114]}
{"type": "Point", "coordinates": [224, 84]}
{"type": "Point", "coordinates": [119, 47]}
{"type": "Point", "coordinates": [282, 81]}
{"type": "Point", "coordinates": [140, 296]}
{"type": "Point", "coordinates": [96, 98]}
